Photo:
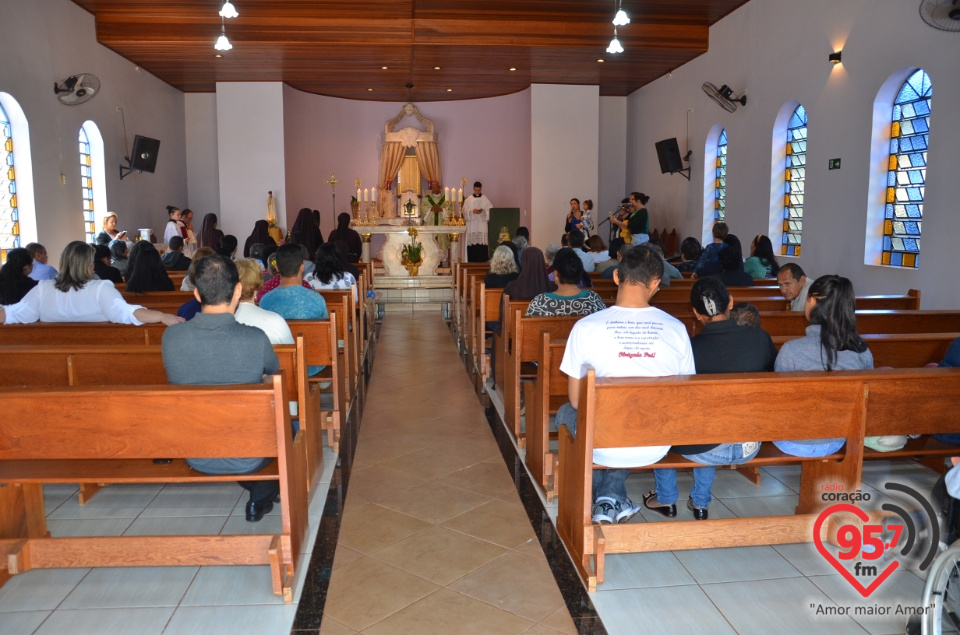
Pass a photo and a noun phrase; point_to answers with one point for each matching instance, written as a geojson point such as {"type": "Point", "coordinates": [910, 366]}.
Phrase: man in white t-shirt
{"type": "Point", "coordinates": [630, 339]}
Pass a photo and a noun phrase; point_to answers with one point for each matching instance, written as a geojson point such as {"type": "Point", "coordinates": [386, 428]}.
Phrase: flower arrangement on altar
{"type": "Point", "coordinates": [412, 253]}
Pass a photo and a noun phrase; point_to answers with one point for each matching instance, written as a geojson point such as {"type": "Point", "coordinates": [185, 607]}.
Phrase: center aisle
{"type": "Point", "coordinates": [434, 538]}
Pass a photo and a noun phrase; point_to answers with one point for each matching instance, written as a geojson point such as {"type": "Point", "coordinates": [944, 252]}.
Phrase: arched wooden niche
{"type": "Point", "coordinates": [400, 143]}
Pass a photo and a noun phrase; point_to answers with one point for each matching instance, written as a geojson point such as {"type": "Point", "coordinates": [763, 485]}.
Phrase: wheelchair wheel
{"type": "Point", "coordinates": [942, 594]}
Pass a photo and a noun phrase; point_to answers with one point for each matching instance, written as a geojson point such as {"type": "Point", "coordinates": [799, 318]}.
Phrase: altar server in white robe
{"type": "Point", "coordinates": [476, 212]}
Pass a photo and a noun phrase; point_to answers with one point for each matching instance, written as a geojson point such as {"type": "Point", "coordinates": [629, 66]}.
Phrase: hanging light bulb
{"type": "Point", "coordinates": [621, 19]}
{"type": "Point", "coordinates": [228, 10]}
{"type": "Point", "coordinates": [223, 44]}
{"type": "Point", "coordinates": [615, 46]}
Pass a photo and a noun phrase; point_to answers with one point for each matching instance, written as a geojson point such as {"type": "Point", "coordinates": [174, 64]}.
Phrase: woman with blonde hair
{"type": "Point", "coordinates": [503, 268]}
{"type": "Point", "coordinates": [273, 324]}
{"type": "Point", "coordinates": [76, 296]}
{"type": "Point", "coordinates": [110, 232]}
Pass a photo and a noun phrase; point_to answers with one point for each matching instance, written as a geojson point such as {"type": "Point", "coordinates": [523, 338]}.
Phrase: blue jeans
{"type": "Point", "coordinates": [953, 438]}
{"type": "Point", "coordinates": [608, 483]}
{"type": "Point", "coordinates": [795, 448]}
{"type": "Point", "coordinates": [726, 454]}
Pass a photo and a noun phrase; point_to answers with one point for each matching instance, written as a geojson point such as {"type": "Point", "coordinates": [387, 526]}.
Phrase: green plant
{"type": "Point", "coordinates": [412, 253]}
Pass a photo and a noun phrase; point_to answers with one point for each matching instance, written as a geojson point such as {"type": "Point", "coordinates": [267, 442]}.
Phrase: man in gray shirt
{"type": "Point", "coordinates": [213, 349]}
{"type": "Point", "coordinates": [794, 285]}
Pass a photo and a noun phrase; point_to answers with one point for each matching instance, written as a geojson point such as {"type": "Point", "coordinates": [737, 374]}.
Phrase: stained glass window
{"type": "Point", "coordinates": [86, 184]}
{"type": "Point", "coordinates": [794, 177]}
{"type": "Point", "coordinates": [9, 214]}
{"type": "Point", "coordinates": [720, 185]}
{"type": "Point", "coordinates": [907, 172]}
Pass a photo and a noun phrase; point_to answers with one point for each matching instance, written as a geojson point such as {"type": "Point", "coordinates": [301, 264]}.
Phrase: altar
{"type": "Point", "coordinates": [399, 235]}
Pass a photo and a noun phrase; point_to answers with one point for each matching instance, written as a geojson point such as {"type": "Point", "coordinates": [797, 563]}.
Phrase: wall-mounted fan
{"type": "Point", "coordinates": [724, 96]}
{"type": "Point", "coordinates": [77, 89]}
{"type": "Point", "coordinates": [941, 14]}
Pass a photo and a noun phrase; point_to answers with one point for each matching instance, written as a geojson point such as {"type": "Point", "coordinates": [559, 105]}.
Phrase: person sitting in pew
{"type": "Point", "coordinates": [723, 346]}
{"type": "Point", "coordinates": [76, 296]}
{"type": "Point", "coordinates": [250, 314]}
{"type": "Point", "coordinates": [272, 282]}
{"type": "Point", "coordinates": [15, 280]}
{"type": "Point", "coordinates": [503, 268]}
{"type": "Point", "coordinates": [118, 256]}
{"type": "Point", "coordinates": [188, 284]}
{"type": "Point", "coordinates": [950, 360]}
{"type": "Point", "coordinates": [630, 339]}
{"type": "Point", "coordinates": [831, 343]}
{"type": "Point", "coordinates": [569, 298]}
{"type": "Point", "coordinates": [731, 264]}
{"type": "Point", "coordinates": [102, 268]}
{"type": "Point", "coordinates": [174, 260]}
{"type": "Point", "coordinates": [608, 274]}
{"type": "Point", "coordinates": [745, 314]}
{"type": "Point", "coordinates": [794, 286]}
{"type": "Point", "coordinates": [145, 272]}
{"type": "Point", "coordinates": [213, 349]}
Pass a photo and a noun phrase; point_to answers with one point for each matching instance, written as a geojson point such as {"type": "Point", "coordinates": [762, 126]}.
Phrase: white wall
{"type": "Point", "coordinates": [564, 154]}
{"type": "Point", "coordinates": [613, 157]}
{"type": "Point", "coordinates": [45, 41]}
{"type": "Point", "coordinates": [203, 161]}
{"type": "Point", "coordinates": [777, 51]}
{"type": "Point", "coordinates": [250, 138]}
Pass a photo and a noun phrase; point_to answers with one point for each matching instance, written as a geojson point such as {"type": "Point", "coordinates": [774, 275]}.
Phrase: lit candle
{"type": "Point", "coordinates": [358, 194]}
{"type": "Point", "coordinates": [446, 193]}
{"type": "Point", "coordinates": [366, 195]}
{"type": "Point", "coordinates": [373, 194]}
{"type": "Point", "coordinates": [460, 195]}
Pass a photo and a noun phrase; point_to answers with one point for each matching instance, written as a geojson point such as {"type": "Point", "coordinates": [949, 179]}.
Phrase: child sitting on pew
{"type": "Point", "coordinates": [723, 346]}
{"type": "Point", "coordinates": [629, 339]}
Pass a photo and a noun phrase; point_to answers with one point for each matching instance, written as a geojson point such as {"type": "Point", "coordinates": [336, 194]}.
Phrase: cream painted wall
{"type": "Point", "coordinates": [250, 138]}
{"type": "Point", "coordinates": [203, 161]}
{"type": "Point", "coordinates": [613, 158]}
{"type": "Point", "coordinates": [45, 41]}
{"type": "Point", "coordinates": [565, 153]}
{"type": "Point", "coordinates": [777, 51]}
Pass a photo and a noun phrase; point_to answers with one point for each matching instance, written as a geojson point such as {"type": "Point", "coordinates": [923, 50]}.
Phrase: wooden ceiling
{"type": "Point", "coordinates": [445, 49]}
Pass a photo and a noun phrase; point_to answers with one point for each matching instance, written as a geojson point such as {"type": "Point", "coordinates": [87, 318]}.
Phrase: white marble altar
{"type": "Point", "coordinates": [398, 236]}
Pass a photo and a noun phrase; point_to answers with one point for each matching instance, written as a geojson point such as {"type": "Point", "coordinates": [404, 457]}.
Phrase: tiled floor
{"type": "Point", "coordinates": [434, 539]}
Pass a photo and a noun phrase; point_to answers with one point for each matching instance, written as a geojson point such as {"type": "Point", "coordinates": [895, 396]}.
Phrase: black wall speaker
{"type": "Point", "coordinates": [144, 155]}
{"type": "Point", "coordinates": [669, 154]}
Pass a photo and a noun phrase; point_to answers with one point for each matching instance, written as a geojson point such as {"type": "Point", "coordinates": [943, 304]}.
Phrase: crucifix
{"type": "Point", "coordinates": [332, 182]}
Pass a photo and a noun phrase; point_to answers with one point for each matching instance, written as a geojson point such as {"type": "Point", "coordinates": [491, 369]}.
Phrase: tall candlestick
{"type": "Point", "coordinates": [460, 195]}
{"type": "Point", "coordinates": [373, 194]}
{"type": "Point", "coordinates": [359, 194]}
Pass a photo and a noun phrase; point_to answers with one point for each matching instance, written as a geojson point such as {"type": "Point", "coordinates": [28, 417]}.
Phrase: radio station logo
{"type": "Point", "coordinates": [864, 545]}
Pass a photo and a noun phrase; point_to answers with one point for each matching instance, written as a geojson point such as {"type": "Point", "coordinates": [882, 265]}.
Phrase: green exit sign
{"type": "Point", "coordinates": [834, 164]}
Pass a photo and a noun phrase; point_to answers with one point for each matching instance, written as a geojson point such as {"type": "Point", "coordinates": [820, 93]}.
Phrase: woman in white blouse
{"type": "Point", "coordinates": [76, 296]}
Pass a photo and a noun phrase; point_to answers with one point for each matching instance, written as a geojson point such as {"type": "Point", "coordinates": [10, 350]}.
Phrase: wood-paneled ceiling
{"type": "Point", "coordinates": [445, 49]}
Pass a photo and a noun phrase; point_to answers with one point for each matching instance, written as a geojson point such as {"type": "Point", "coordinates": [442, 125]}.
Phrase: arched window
{"type": "Point", "coordinates": [92, 180]}
{"type": "Point", "coordinates": [907, 172]}
{"type": "Point", "coordinates": [9, 214]}
{"type": "Point", "coordinates": [794, 177]}
{"type": "Point", "coordinates": [86, 184]}
{"type": "Point", "coordinates": [720, 183]}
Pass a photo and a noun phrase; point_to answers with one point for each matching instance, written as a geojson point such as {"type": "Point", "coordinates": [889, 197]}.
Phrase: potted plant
{"type": "Point", "coordinates": [412, 253]}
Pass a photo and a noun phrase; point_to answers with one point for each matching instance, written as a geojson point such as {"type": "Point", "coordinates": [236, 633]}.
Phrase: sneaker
{"type": "Point", "coordinates": [652, 503]}
{"type": "Point", "coordinates": [626, 510]}
{"type": "Point", "coordinates": [604, 511]}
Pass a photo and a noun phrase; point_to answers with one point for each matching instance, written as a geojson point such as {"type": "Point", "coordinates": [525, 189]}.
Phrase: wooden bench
{"type": "Point", "coordinates": [489, 311]}
{"type": "Point", "coordinates": [61, 366]}
{"type": "Point", "coordinates": [522, 351]}
{"type": "Point", "coordinates": [319, 341]}
{"type": "Point", "coordinates": [846, 404]}
{"type": "Point", "coordinates": [163, 301]}
{"type": "Point", "coordinates": [794, 323]}
{"type": "Point", "coordinates": [46, 436]}
{"type": "Point", "coordinates": [548, 394]}
{"type": "Point", "coordinates": [102, 333]}
{"type": "Point", "coordinates": [900, 350]}
{"type": "Point", "coordinates": [338, 304]}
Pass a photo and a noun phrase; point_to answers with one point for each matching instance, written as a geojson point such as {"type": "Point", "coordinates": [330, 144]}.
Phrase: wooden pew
{"type": "Point", "coordinates": [675, 305]}
{"type": "Point", "coordinates": [900, 350]}
{"type": "Point", "coordinates": [925, 321]}
{"type": "Point", "coordinates": [102, 333]}
{"type": "Point", "coordinates": [489, 311]}
{"type": "Point", "coordinates": [61, 366]}
{"type": "Point", "coordinates": [47, 437]}
{"type": "Point", "coordinates": [163, 301]}
{"type": "Point", "coordinates": [548, 394]}
{"type": "Point", "coordinates": [524, 348]}
{"type": "Point", "coordinates": [338, 305]}
{"type": "Point", "coordinates": [319, 341]}
{"type": "Point", "coordinates": [673, 414]}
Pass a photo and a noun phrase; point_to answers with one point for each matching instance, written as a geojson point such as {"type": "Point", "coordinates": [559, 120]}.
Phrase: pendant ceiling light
{"type": "Point", "coordinates": [228, 10]}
